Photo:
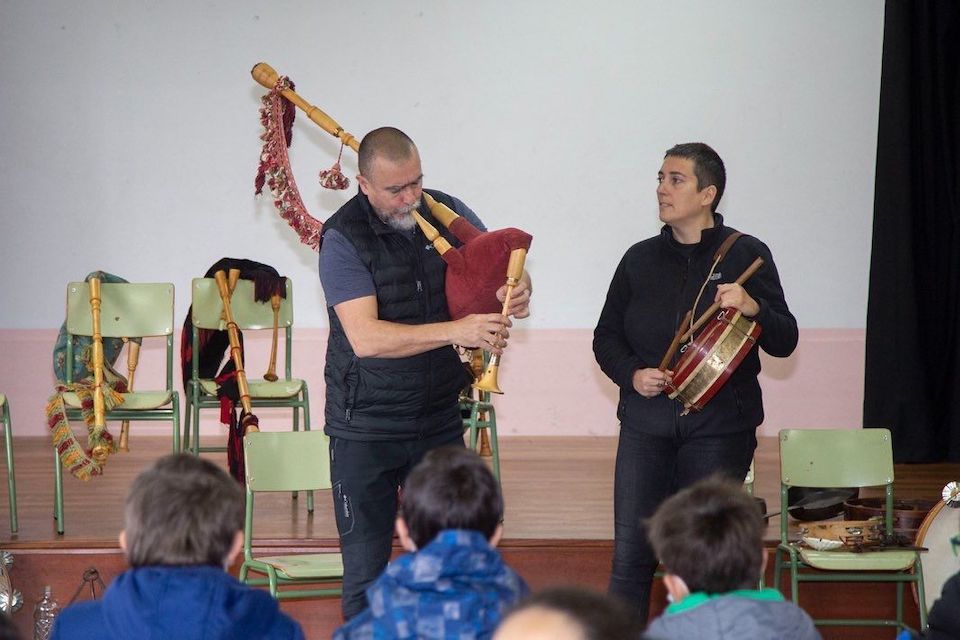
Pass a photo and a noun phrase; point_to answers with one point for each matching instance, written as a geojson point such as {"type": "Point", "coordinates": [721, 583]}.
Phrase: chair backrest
{"type": "Point", "coordinates": [207, 307]}
{"type": "Point", "coordinates": [127, 309]}
{"type": "Point", "coordinates": [836, 457]}
{"type": "Point", "coordinates": [286, 461]}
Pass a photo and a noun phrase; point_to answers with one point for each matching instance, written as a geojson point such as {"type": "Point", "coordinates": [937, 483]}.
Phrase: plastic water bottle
{"type": "Point", "coordinates": [44, 614]}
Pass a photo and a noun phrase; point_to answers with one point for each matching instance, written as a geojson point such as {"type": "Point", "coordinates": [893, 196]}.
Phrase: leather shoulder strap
{"type": "Point", "coordinates": [725, 247]}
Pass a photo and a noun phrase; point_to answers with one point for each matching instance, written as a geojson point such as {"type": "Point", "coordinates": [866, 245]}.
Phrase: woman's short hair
{"type": "Point", "coordinates": [707, 166]}
{"type": "Point", "coordinates": [183, 510]}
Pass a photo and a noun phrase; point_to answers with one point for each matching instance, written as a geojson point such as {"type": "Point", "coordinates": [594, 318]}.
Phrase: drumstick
{"type": "Point", "coordinates": [676, 343]}
{"type": "Point", "coordinates": [712, 309]}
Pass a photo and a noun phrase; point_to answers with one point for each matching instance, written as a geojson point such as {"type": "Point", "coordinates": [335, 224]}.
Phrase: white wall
{"type": "Point", "coordinates": [126, 125]}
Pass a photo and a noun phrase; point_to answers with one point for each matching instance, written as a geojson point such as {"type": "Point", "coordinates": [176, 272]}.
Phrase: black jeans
{"type": "Point", "coordinates": [366, 477]}
{"type": "Point", "coordinates": [649, 469]}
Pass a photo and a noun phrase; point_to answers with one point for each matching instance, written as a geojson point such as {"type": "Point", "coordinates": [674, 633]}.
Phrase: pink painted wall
{"type": "Point", "coordinates": [552, 384]}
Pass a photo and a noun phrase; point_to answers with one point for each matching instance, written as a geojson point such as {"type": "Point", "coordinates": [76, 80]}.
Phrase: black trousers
{"type": "Point", "coordinates": [366, 477]}
{"type": "Point", "coordinates": [648, 470]}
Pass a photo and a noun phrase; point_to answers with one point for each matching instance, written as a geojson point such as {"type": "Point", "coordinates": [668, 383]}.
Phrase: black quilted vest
{"type": "Point", "coordinates": [393, 398]}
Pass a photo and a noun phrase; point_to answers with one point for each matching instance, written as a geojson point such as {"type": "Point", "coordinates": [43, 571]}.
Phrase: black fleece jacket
{"type": "Point", "coordinates": [654, 285]}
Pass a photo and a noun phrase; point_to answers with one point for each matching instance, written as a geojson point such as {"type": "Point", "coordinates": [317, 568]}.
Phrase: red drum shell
{"type": "Point", "coordinates": [709, 361]}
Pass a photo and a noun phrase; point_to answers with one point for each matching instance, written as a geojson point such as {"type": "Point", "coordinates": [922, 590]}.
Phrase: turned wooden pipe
{"type": "Point", "coordinates": [236, 353]}
{"type": "Point", "coordinates": [133, 358]}
{"type": "Point", "coordinates": [100, 452]}
{"type": "Point", "coordinates": [271, 374]}
{"type": "Point", "coordinates": [488, 381]}
{"type": "Point", "coordinates": [267, 76]}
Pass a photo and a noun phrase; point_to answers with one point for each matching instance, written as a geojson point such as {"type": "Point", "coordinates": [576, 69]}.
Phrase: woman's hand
{"type": "Point", "coordinates": [736, 297]}
{"type": "Point", "coordinates": [650, 382]}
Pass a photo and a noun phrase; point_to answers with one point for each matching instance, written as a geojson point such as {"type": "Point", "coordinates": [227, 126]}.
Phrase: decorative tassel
{"type": "Point", "coordinates": [83, 463]}
{"type": "Point", "coordinates": [276, 116]}
{"type": "Point", "coordinates": [333, 177]}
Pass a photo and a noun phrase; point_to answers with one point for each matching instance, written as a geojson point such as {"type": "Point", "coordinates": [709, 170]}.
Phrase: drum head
{"type": "Point", "coordinates": [939, 564]}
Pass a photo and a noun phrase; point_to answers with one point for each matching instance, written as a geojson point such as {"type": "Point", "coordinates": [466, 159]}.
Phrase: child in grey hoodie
{"type": "Point", "coordinates": [709, 538]}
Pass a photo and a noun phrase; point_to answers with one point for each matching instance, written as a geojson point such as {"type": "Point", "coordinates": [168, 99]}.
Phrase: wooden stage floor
{"type": "Point", "coordinates": [558, 523]}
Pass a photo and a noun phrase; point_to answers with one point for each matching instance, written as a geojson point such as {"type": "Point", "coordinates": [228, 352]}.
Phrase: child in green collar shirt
{"type": "Point", "coordinates": [709, 539]}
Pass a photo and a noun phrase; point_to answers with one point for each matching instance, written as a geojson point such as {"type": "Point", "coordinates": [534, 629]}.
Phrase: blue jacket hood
{"type": "Point", "coordinates": [457, 586]}
{"type": "Point", "coordinates": [188, 603]}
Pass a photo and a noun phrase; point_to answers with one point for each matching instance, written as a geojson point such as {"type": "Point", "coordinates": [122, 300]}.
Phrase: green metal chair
{"type": "Point", "coordinates": [288, 461]}
{"type": "Point", "coordinates": [479, 413]}
{"type": "Point", "coordinates": [207, 313]}
{"type": "Point", "coordinates": [11, 479]}
{"type": "Point", "coordinates": [839, 458]}
{"type": "Point", "coordinates": [127, 310]}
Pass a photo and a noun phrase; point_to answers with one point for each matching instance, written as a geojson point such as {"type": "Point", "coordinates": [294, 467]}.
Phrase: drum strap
{"type": "Point", "coordinates": [718, 256]}
{"type": "Point", "coordinates": [725, 247]}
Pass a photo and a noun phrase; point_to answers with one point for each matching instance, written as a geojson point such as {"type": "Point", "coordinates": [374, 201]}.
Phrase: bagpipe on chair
{"type": "Point", "coordinates": [214, 347]}
{"type": "Point", "coordinates": [85, 462]}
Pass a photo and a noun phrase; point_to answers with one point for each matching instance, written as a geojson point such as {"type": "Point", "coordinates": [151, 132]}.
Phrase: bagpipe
{"type": "Point", "coordinates": [485, 261]}
{"type": "Point", "coordinates": [97, 385]}
{"type": "Point", "coordinates": [233, 388]}
{"type": "Point", "coordinates": [708, 361]}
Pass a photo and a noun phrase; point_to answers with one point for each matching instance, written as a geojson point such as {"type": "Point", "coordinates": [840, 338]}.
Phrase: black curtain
{"type": "Point", "coordinates": [912, 383]}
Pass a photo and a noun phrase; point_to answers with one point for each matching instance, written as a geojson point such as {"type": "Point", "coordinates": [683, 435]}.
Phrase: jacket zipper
{"type": "Point", "coordinates": [424, 294]}
{"type": "Point", "coordinates": [684, 275]}
{"type": "Point", "coordinates": [352, 400]}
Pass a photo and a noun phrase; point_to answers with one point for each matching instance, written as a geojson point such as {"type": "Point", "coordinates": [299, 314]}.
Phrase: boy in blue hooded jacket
{"type": "Point", "coordinates": [453, 583]}
{"type": "Point", "coordinates": [183, 526]}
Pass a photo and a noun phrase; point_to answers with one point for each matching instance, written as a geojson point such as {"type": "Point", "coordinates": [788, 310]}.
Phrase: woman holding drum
{"type": "Point", "coordinates": [662, 447]}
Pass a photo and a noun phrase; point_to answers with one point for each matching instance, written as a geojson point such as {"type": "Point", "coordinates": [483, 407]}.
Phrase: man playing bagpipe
{"type": "Point", "coordinates": [392, 378]}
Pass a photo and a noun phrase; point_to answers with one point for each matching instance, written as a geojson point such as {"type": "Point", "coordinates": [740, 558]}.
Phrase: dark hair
{"type": "Point", "coordinates": [710, 535]}
{"type": "Point", "coordinates": [451, 488]}
{"type": "Point", "coordinates": [386, 142]}
{"type": "Point", "coordinates": [707, 166]}
{"type": "Point", "coordinates": [597, 616]}
{"type": "Point", "coordinates": [183, 510]}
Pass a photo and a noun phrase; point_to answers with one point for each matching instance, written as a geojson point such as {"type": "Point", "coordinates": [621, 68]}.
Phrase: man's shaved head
{"type": "Point", "coordinates": [388, 143]}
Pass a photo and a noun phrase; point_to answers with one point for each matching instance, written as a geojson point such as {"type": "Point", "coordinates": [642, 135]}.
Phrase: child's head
{"type": "Point", "coordinates": [570, 613]}
{"type": "Point", "coordinates": [183, 510]}
{"type": "Point", "coordinates": [451, 488]}
{"type": "Point", "coordinates": [711, 536]}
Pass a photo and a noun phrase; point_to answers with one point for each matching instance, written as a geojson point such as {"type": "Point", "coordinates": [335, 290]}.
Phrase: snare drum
{"type": "Point", "coordinates": [708, 362]}
{"type": "Point", "coordinates": [939, 563]}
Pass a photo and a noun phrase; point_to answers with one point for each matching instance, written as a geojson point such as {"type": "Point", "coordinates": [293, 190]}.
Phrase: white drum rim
{"type": "Point", "coordinates": [932, 593]}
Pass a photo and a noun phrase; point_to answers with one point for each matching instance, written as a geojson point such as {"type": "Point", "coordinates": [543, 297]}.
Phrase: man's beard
{"type": "Point", "coordinates": [399, 219]}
